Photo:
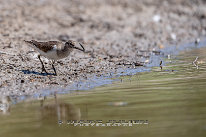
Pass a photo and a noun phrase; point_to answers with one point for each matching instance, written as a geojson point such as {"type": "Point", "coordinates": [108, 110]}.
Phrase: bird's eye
{"type": "Point", "coordinates": [72, 44]}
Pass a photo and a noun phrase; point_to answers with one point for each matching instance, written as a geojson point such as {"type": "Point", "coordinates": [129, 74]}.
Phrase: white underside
{"type": "Point", "coordinates": [50, 54]}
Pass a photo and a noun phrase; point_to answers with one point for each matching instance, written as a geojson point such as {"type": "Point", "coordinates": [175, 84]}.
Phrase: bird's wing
{"type": "Point", "coordinates": [44, 46]}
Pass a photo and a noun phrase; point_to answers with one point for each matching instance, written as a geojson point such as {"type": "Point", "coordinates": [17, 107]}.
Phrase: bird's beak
{"type": "Point", "coordinates": [81, 49]}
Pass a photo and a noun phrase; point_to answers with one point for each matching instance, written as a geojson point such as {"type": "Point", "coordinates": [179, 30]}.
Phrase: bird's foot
{"type": "Point", "coordinates": [44, 70]}
{"type": "Point", "coordinates": [55, 74]}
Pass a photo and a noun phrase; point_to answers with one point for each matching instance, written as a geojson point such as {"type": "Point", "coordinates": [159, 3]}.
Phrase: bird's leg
{"type": "Point", "coordinates": [43, 68]}
{"type": "Point", "coordinates": [55, 73]}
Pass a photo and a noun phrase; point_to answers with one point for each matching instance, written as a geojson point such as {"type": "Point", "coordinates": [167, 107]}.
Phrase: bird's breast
{"type": "Point", "coordinates": [63, 53]}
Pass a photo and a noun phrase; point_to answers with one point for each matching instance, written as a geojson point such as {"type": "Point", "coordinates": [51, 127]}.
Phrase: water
{"type": "Point", "coordinates": [170, 102]}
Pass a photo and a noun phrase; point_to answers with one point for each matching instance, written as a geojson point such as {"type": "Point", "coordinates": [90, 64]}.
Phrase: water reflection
{"type": "Point", "coordinates": [5, 105]}
{"type": "Point", "coordinates": [59, 111]}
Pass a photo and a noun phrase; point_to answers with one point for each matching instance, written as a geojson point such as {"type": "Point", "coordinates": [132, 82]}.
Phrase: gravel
{"type": "Point", "coordinates": [115, 33]}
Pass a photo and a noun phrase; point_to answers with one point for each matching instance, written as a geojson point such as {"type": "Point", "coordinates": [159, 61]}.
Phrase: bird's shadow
{"type": "Point", "coordinates": [36, 73]}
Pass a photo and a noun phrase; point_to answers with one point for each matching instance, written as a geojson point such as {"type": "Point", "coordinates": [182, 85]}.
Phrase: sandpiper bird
{"type": "Point", "coordinates": [54, 50]}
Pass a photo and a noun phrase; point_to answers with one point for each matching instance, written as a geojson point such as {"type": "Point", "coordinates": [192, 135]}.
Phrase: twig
{"type": "Point", "coordinates": [161, 64]}
{"type": "Point", "coordinates": [195, 63]}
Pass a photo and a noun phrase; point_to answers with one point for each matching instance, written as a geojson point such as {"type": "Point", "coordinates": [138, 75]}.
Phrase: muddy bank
{"type": "Point", "coordinates": [116, 34]}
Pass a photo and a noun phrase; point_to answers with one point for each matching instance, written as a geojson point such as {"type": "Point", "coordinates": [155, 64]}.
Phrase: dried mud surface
{"type": "Point", "coordinates": [115, 33]}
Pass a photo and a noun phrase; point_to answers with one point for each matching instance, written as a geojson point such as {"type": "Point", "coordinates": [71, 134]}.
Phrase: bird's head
{"type": "Point", "coordinates": [71, 44]}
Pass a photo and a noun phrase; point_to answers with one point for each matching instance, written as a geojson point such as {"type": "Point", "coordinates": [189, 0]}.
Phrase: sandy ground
{"type": "Point", "coordinates": [114, 33]}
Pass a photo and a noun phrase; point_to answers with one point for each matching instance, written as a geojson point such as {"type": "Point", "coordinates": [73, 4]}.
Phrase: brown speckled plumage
{"type": "Point", "coordinates": [54, 50]}
{"type": "Point", "coordinates": [45, 46]}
